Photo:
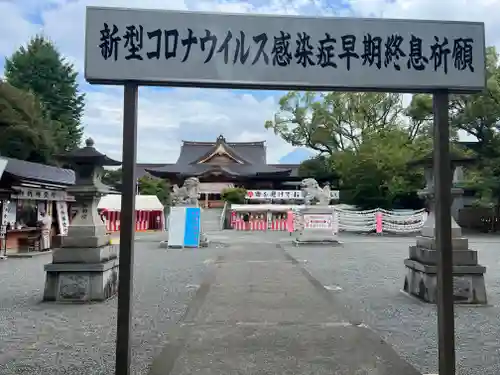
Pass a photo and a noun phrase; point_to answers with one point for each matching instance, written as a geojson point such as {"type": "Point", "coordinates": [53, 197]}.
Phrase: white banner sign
{"type": "Point", "coordinates": [40, 194]}
{"type": "Point", "coordinates": [62, 217]}
{"type": "Point", "coordinates": [283, 194]}
{"type": "Point", "coordinates": [5, 218]}
{"type": "Point", "coordinates": [41, 207]}
{"type": "Point", "coordinates": [9, 209]}
{"type": "Point", "coordinates": [180, 48]}
{"type": "Point", "coordinates": [318, 221]}
{"type": "Point", "coordinates": [5, 213]}
{"type": "Point", "coordinates": [9, 214]}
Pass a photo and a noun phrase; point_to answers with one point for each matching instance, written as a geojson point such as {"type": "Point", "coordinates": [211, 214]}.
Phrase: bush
{"type": "Point", "coordinates": [234, 195]}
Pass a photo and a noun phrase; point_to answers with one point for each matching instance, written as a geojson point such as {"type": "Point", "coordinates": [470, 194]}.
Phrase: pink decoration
{"type": "Point", "coordinates": [289, 221]}
{"type": "Point", "coordinates": [378, 218]}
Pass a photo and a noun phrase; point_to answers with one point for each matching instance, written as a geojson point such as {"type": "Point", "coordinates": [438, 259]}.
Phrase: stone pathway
{"type": "Point", "coordinates": [259, 312]}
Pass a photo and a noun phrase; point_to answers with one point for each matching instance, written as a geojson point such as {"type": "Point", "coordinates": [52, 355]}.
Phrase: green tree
{"type": "Point", "coordinates": [155, 186]}
{"type": "Point", "coordinates": [40, 69]}
{"type": "Point", "coordinates": [25, 132]}
{"type": "Point", "coordinates": [476, 114]}
{"type": "Point", "coordinates": [334, 121]}
{"type": "Point", "coordinates": [377, 173]}
{"type": "Point", "coordinates": [363, 138]}
{"type": "Point", "coordinates": [479, 116]}
{"type": "Point", "coordinates": [234, 195]}
{"type": "Point", "coordinates": [319, 167]}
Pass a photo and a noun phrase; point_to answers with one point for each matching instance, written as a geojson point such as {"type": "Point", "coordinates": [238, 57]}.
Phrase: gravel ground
{"type": "Point", "coordinates": [40, 338]}
{"type": "Point", "coordinates": [370, 273]}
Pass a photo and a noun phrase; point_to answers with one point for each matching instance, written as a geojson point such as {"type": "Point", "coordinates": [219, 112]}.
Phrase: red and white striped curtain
{"type": "Point", "coordinates": [144, 220]}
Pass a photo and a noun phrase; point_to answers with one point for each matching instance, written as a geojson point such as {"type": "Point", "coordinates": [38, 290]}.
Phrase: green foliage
{"type": "Point", "coordinates": [478, 115]}
{"type": "Point", "coordinates": [25, 132]}
{"type": "Point", "coordinates": [40, 69]}
{"type": "Point", "coordinates": [147, 185]}
{"type": "Point", "coordinates": [155, 186]}
{"type": "Point", "coordinates": [363, 139]}
{"type": "Point", "coordinates": [234, 195]}
{"type": "Point", "coordinates": [377, 173]}
{"type": "Point", "coordinates": [113, 178]}
{"type": "Point", "coordinates": [319, 167]}
{"type": "Point", "coordinates": [335, 121]}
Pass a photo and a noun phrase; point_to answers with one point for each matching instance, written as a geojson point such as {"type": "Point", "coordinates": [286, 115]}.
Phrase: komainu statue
{"type": "Point", "coordinates": [313, 194]}
{"type": "Point", "coordinates": [188, 194]}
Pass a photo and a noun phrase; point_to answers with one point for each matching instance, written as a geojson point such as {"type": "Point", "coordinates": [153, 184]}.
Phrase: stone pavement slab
{"type": "Point", "coordinates": [259, 313]}
{"type": "Point", "coordinates": [288, 349]}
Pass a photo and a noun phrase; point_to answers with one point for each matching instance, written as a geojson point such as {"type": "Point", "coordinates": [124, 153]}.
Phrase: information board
{"type": "Point", "coordinates": [318, 221]}
{"type": "Point", "coordinates": [282, 52]}
{"type": "Point", "coordinates": [192, 229]}
{"type": "Point", "coordinates": [176, 226]}
{"type": "Point", "coordinates": [184, 227]}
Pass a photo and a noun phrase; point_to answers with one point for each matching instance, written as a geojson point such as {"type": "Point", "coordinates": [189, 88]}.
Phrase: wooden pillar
{"type": "Point", "coordinates": [443, 177]}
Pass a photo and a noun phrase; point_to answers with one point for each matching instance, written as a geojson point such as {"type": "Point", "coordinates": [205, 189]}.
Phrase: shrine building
{"type": "Point", "coordinates": [221, 164]}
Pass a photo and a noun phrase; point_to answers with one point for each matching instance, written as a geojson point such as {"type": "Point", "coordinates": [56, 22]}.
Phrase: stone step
{"type": "Point", "coordinates": [210, 219]}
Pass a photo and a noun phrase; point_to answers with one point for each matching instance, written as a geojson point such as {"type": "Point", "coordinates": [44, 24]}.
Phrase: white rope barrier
{"type": "Point", "coordinates": [376, 220]}
{"type": "Point", "coordinates": [380, 221]}
{"type": "Point", "coordinates": [350, 220]}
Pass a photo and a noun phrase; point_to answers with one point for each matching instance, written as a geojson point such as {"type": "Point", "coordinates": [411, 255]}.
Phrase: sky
{"type": "Point", "coordinates": [168, 116]}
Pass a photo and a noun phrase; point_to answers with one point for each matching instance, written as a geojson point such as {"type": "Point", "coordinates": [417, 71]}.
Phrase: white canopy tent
{"type": "Point", "coordinates": [149, 211]}
{"type": "Point", "coordinates": [113, 202]}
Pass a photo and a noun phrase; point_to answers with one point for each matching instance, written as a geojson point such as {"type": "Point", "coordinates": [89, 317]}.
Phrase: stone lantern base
{"type": "Point", "coordinates": [319, 235]}
{"type": "Point", "coordinates": [468, 283]}
{"type": "Point", "coordinates": [421, 268]}
{"type": "Point", "coordinates": [85, 269]}
{"type": "Point", "coordinates": [81, 282]}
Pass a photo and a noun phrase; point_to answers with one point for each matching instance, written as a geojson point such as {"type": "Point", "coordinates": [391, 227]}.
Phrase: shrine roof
{"type": "Point", "coordinates": [39, 172]}
{"type": "Point", "coordinates": [293, 167]}
{"type": "Point", "coordinates": [141, 169]}
{"type": "Point", "coordinates": [235, 170]}
{"type": "Point", "coordinates": [247, 159]}
{"type": "Point", "coordinates": [247, 152]}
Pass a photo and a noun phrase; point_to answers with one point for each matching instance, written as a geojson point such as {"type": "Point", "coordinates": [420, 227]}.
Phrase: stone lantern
{"type": "Point", "coordinates": [85, 267]}
{"type": "Point", "coordinates": [421, 265]}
